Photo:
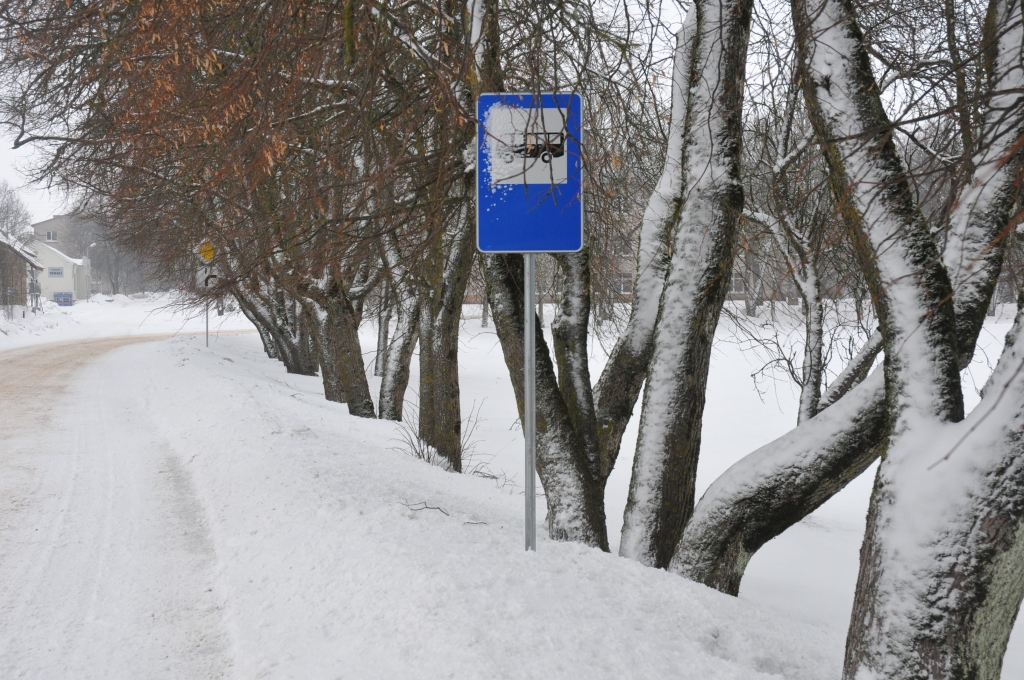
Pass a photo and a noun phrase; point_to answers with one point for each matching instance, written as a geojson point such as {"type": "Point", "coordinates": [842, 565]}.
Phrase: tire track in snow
{"type": "Point", "coordinates": [120, 583]}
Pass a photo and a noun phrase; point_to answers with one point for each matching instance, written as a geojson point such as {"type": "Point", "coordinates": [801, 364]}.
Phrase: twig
{"type": "Point", "coordinates": [424, 506]}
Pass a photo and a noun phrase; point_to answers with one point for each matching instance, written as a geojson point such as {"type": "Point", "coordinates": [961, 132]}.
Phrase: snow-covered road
{"type": "Point", "coordinates": [105, 559]}
{"type": "Point", "coordinates": [172, 511]}
{"type": "Point", "coordinates": [169, 510]}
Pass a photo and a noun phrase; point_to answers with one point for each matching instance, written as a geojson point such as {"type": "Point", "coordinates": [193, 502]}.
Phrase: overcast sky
{"type": "Point", "coordinates": [41, 204]}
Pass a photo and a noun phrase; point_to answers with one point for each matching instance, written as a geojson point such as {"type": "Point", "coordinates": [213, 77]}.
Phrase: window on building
{"type": "Point", "coordinates": [621, 283]}
{"type": "Point", "coordinates": [739, 285]}
{"type": "Point", "coordinates": [56, 272]}
{"type": "Point", "coordinates": [51, 236]}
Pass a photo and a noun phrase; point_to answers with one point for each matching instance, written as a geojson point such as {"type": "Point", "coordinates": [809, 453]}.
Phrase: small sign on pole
{"type": "Point", "coordinates": [206, 278]}
{"type": "Point", "coordinates": [529, 190]}
{"type": "Point", "coordinates": [206, 251]}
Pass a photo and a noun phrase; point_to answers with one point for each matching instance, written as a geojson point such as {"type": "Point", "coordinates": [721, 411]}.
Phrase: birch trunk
{"type": "Point", "coordinates": [399, 355]}
{"type": "Point", "coordinates": [813, 364]}
{"type": "Point", "coordinates": [661, 492]}
{"type": "Point", "coordinates": [426, 396]}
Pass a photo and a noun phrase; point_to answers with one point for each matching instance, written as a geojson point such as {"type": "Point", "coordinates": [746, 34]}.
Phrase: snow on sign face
{"type": "Point", "coordinates": [526, 146]}
{"type": "Point", "coordinates": [529, 173]}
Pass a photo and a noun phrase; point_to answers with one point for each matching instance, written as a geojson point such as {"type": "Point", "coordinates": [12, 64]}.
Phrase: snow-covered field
{"type": "Point", "coordinates": [192, 512]}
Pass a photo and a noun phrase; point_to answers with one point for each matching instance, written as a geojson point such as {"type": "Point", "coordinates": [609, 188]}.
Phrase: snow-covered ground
{"type": "Point", "coordinates": [194, 512]}
{"type": "Point", "coordinates": [108, 316]}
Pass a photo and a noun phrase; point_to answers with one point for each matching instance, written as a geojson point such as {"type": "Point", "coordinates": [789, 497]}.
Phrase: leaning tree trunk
{"type": "Point", "coordinates": [661, 494]}
{"type": "Point", "coordinates": [336, 330]}
{"type": "Point", "coordinates": [618, 388]}
{"type": "Point", "coordinates": [265, 302]}
{"type": "Point", "coordinates": [776, 486]}
{"type": "Point", "coordinates": [266, 337]}
{"type": "Point", "coordinates": [299, 357]}
{"type": "Point", "coordinates": [773, 488]}
{"type": "Point", "coordinates": [934, 595]}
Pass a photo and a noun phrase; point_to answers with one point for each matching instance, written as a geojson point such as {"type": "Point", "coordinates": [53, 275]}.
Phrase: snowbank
{"type": "Point", "coordinates": [341, 557]}
{"type": "Point", "coordinates": [106, 316]}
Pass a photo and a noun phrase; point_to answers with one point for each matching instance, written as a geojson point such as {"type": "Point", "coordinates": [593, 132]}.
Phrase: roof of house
{"type": "Point", "coordinates": [72, 260]}
{"type": "Point", "coordinates": [21, 251]}
{"type": "Point", "coordinates": [60, 222]}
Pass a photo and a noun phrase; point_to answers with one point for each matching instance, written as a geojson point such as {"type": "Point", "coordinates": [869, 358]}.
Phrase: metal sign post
{"type": "Point", "coordinates": [530, 400]}
{"type": "Point", "coordinates": [529, 200]}
{"type": "Point", "coordinates": [207, 277]}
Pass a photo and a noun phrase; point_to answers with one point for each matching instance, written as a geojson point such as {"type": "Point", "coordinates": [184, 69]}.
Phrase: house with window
{"type": "Point", "coordinates": [63, 279]}
{"type": "Point", "coordinates": [56, 232]}
{"type": "Point", "coordinates": [19, 272]}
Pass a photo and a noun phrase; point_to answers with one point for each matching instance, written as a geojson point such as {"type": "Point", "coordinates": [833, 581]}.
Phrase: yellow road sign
{"type": "Point", "coordinates": [206, 251]}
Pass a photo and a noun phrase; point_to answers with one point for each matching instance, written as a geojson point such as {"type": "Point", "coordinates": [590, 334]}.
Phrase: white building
{"type": "Point", "coordinates": [63, 277]}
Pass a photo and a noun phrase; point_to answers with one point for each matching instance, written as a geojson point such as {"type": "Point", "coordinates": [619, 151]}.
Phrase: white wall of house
{"type": "Point", "coordinates": [61, 274]}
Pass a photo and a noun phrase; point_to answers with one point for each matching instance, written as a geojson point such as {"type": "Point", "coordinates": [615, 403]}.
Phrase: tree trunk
{"type": "Point", "coordinates": [343, 326]}
{"type": "Point", "coordinates": [856, 371]}
{"type": "Point", "coordinates": [326, 352]}
{"type": "Point", "coordinates": [383, 328]}
{"type": "Point", "coordinates": [426, 418]}
{"type": "Point", "coordinates": [440, 400]}
{"type": "Point", "coordinates": [934, 597]}
{"type": "Point", "coordinates": [296, 351]}
{"type": "Point", "coordinates": [335, 323]}
{"type": "Point", "coordinates": [776, 486]}
{"type": "Point", "coordinates": [575, 501]}
{"type": "Point", "coordinates": [265, 336]}
{"type": "Point", "coordinates": [263, 301]}
{"type": "Point", "coordinates": [662, 491]}
{"type": "Point", "coordinates": [751, 283]}
{"type": "Point", "coordinates": [814, 321]}
{"type": "Point", "coordinates": [399, 355]}
{"type": "Point", "coordinates": [618, 388]}
{"type": "Point", "coordinates": [569, 333]}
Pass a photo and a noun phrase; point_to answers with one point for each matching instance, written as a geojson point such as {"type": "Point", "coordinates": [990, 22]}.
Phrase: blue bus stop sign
{"type": "Point", "coordinates": [529, 179]}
